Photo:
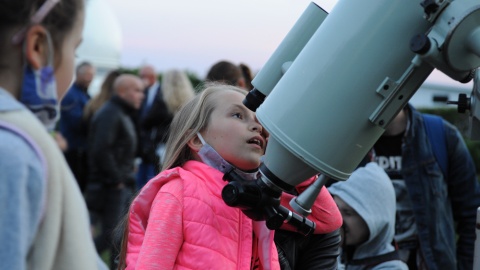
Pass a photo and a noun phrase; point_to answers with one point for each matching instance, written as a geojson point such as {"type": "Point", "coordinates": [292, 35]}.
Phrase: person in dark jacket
{"type": "Point", "coordinates": [436, 210]}
{"type": "Point", "coordinates": [72, 126]}
{"type": "Point", "coordinates": [112, 150]}
{"type": "Point", "coordinates": [153, 122]}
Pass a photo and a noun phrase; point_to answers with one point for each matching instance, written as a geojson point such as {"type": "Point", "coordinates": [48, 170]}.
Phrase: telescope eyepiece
{"type": "Point", "coordinates": [254, 99]}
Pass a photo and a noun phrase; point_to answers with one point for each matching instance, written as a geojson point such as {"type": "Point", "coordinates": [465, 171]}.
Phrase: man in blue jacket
{"type": "Point", "coordinates": [436, 206]}
{"type": "Point", "coordinates": [72, 126]}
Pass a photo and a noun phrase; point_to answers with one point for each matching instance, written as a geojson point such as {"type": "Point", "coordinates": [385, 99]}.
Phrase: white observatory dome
{"type": "Point", "coordinates": [102, 41]}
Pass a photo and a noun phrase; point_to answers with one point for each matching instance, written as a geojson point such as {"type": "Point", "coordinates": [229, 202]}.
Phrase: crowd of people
{"type": "Point", "coordinates": [115, 140]}
{"type": "Point", "coordinates": [137, 171]}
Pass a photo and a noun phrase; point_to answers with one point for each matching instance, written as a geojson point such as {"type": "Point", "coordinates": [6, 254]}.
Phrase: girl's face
{"type": "Point", "coordinates": [64, 71]}
{"type": "Point", "coordinates": [355, 230]}
{"type": "Point", "coordinates": [234, 132]}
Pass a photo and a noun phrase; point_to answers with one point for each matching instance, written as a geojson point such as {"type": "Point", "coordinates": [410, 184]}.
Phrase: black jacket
{"type": "Point", "coordinates": [299, 252]}
{"type": "Point", "coordinates": [112, 144]}
{"type": "Point", "coordinates": [317, 251]}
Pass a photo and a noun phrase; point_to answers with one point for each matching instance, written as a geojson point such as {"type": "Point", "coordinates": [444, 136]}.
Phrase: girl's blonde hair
{"type": "Point", "coordinates": [177, 89]}
{"type": "Point", "coordinates": [193, 117]}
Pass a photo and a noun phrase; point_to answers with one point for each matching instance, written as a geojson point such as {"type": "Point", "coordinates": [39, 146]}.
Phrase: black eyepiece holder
{"type": "Point", "coordinates": [259, 202]}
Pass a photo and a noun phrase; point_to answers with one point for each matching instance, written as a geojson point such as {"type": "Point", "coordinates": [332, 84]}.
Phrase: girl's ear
{"type": "Point", "coordinates": [36, 46]}
{"type": "Point", "coordinates": [195, 144]}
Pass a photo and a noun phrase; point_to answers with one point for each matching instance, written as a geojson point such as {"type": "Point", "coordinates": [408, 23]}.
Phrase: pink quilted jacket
{"type": "Point", "coordinates": [179, 221]}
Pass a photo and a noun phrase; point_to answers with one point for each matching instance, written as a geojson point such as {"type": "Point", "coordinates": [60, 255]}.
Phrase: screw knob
{"type": "Point", "coordinates": [463, 103]}
{"type": "Point", "coordinates": [420, 44]}
{"type": "Point", "coordinates": [429, 6]}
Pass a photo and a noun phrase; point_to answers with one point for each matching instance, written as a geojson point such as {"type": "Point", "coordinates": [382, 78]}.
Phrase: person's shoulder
{"type": "Point", "coordinates": [109, 110]}
{"type": "Point", "coordinates": [18, 154]}
{"type": "Point", "coordinates": [23, 175]}
{"type": "Point", "coordinates": [71, 92]}
{"type": "Point", "coordinates": [175, 184]}
{"type": "Point", "coordinates": [68, 99]}
{"type": "Point", "coordinates": [448, 125]}
{"type": "Point", "coordinates": [180, 176]}
{"type": "Point", "coordinates": [105, 107]}
{"type": "Point", "coordinates": [8, 102]}
{"type": "Point", "coordinates": [169, 181]}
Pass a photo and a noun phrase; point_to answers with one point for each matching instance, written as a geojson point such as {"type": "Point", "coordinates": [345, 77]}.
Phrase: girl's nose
{"type": "Point", "coordinates": [256, 126]}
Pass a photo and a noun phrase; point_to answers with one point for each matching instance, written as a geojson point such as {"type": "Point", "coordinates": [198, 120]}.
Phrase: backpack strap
{"type": "Point", "coordinates": [36, 148]}
{"type": "Point", "coordinates": [33, 145]}
{"type": "Point", "coordinates": [376, 260]}
{"type": "Point", "coordinates": [435, 131]}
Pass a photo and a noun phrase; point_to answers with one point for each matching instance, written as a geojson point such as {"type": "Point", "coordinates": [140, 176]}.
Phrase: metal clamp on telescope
{"type": "Point", "coordinates": [259, 202]}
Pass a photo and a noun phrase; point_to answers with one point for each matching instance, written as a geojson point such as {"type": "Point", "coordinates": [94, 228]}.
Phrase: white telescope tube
{"type": "Point", "coordinates": [318, 113]}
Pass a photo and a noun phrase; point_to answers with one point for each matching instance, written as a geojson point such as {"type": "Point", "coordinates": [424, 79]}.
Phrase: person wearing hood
{"type": "Point", "coordinates": [367, 204]}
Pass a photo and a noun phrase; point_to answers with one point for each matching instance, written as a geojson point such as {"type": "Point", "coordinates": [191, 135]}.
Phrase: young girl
{"type": "Point", "coordinates": [43, 218]}
{"type": "Point", "coordinates": [179, 219]}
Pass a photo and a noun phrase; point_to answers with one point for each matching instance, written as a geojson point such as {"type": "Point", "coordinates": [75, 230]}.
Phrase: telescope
{"type": "Point", "coordinates": [337, 80]}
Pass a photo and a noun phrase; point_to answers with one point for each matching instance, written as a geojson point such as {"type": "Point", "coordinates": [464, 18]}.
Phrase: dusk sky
{"type": "Point", "coordinates": [189, 34]}
{"type": "Point", "coordinates": [192, 35]}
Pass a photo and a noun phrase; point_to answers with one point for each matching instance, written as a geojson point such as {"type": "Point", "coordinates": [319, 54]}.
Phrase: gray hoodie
{"type": "Point", "coordinates": [370, 192]}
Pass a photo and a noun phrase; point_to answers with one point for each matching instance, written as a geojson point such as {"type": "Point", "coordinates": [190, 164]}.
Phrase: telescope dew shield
{"type": "Point", "coordinates": [287, 51]}
{"type": "Point", "coordinates": [453, 43]}
{"type": "Point", "coordinates": [319, 110]}
{"type": "Point", "coordinates": [462, 42]}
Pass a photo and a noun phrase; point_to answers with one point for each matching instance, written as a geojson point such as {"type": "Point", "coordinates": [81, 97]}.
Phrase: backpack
{"type": "Point", "coordinates": [435, 131]}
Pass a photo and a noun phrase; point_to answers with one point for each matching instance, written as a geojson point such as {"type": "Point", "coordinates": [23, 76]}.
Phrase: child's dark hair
{"type": "Point", "coordinates": [247, 74]}
{"type": "Point", "coordinates": [15, 14]}
{"type": "Point", "coordinates": [224, 72]}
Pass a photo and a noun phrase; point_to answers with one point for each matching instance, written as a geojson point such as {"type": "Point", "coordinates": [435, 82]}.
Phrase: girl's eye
{"type": "Point", "coordinates": [237, 115]}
